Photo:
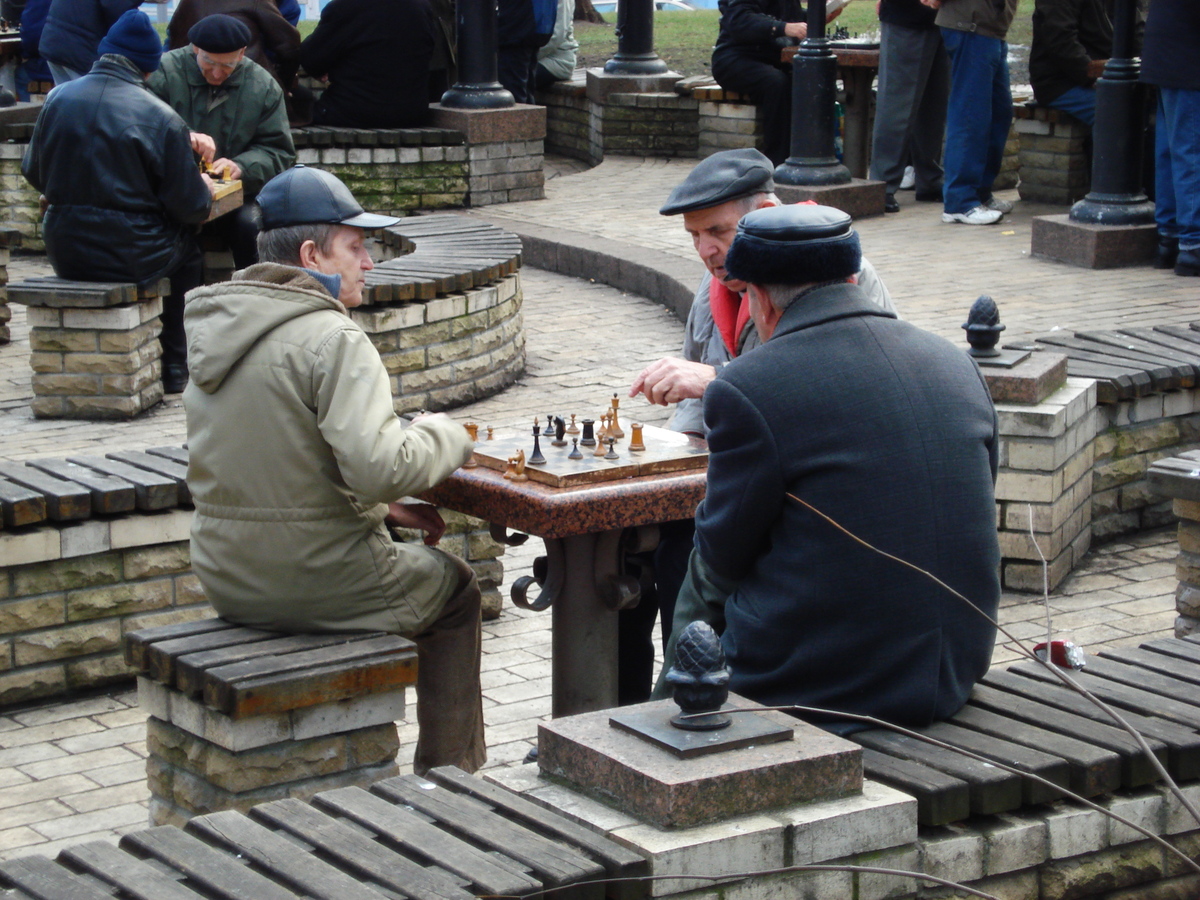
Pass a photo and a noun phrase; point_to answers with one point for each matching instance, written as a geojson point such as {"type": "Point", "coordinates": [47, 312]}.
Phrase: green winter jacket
{"type": "Point", "coordinates": [294, 450]}
{"type": "Point", "coordinates": [245, 115]}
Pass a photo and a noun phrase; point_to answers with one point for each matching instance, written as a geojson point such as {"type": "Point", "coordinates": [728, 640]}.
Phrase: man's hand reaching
{"type": "Point", "coordinates": [672, 379]}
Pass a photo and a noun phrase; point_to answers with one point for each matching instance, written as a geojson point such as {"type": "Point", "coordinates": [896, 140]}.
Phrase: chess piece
{"type": "Point", "coordinates": [612, 449]}
{"type": "Point", "coordinates": [473, 434]}
{"type": "Point", "coordinates": [614, 427]}
{"type": "Point", "coordinates": [572, 428]}
{"type": "Point", "coordinates": [560, 431]}
{"type": "Point", "coordinates": [575, 453]}
{"type": "Point", "coordinates": [636, 442]}
{"type": "Point", "coordinates": [491, 436]}
{"type": "Point", "coordinates": [588, 439]}
{"type": "Point", "coordinates": [518, 466]}
{"type": "Point", "coordinates": [603, 433]}
{"type": "Point", "coordinates": [537, 459]}
{"type": "Point", "coordinates": [600, 449]}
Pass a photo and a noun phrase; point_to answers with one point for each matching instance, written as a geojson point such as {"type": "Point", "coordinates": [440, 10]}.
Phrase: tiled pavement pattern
{"type": "Point", "coordinates": [74, 771]}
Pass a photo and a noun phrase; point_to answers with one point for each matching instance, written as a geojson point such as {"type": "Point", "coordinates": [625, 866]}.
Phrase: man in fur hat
{"type": "Point", "coordinates": [845, 418]}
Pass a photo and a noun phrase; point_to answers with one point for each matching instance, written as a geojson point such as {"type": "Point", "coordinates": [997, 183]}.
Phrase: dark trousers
{"type": "Point", "coordinates": [661, 573]}
{"type": "Point", "coordinates": [516, 68]}
{"type": "Point", "coordinates": [186, 272]}
{"type": "Point", "coordinates": [239, 231]}
{"type": "Point", "coordinates": [770, 87]}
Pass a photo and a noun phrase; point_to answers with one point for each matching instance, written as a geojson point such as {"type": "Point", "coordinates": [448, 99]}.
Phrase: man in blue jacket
{"type": "Point", "coordinates": [73, 31]}
{"type": "Point", "coordinates": [124, 192]}
{"type": "Point", "coordinates": [845, 418]}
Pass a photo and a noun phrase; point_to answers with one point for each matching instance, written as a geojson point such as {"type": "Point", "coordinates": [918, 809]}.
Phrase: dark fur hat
{"type": "Point", "coordinates": [798, 244]}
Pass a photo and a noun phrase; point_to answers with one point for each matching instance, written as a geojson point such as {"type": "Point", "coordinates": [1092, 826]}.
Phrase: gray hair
{"type": "Point", "coordinates": [282, 245]}
{"type": "Point", "coordinates": [751, 202]}
{"type": "Point", "coordinates": [782, 295]}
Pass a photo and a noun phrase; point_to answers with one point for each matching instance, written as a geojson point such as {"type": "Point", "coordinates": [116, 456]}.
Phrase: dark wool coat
{"type": "Point", "coordinates": [376, 54]}
{"type": "Point", "coordinates": [890, 431]}
{"type": "Point", "coordinates": [116, 164]}
{"type": "Point", "coordinates": [1169, 55]}
{"type": "Point", "coordinates": [74, 29]}
{"type": "Point", "coordinates": [1067, 35]}
{"type": "Point", "coordinates": [753, 29]}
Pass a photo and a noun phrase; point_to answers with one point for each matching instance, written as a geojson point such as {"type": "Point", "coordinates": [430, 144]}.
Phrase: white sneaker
{"type": "Point", "coordinates": [980, 215]}
{"type": "Point", "coordinates": [1000, 206]}
{"type": "Point", "coordinates": [909, 179]}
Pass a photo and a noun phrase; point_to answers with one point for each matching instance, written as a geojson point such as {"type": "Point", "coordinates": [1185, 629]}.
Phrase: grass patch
{"type": "Point", "coordinates": [684, 40]}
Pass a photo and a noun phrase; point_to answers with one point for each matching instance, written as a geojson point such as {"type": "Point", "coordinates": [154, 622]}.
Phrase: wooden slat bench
{"type": "Point", "coordinates": [1025, 718]}
{"type": "Point", "coordinates": [452, 837]}
{"type": "Point", "coordinates": [239, 716]}
{"type": "Point", "coordinates": [93, 346]}
{"type": "Point", "coordinates": [81, 487]}
{"type": "Point", "coordinates": [1131, 362]}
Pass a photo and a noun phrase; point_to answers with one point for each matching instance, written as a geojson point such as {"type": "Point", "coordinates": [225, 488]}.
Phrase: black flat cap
{"type": "Point", "coordinates": [798, 244]}
{"type": "Point", "coordinates": [219, 33]}
{"type": "Point", "coordinates": [306, 196]}
{"type": "Point", "coordinates": [724, 176]}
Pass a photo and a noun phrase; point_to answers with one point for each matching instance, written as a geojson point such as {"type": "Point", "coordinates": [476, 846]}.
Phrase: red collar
{"type": "Point", "coordinates": [730, 312]}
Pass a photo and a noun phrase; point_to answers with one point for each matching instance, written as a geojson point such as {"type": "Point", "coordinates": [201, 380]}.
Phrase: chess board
{"type": "Point", "coordinates": [666, 451]}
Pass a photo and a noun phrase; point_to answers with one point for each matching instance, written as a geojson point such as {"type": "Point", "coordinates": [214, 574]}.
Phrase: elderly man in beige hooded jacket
{"type": "Point", "coordinates": [298, 462]}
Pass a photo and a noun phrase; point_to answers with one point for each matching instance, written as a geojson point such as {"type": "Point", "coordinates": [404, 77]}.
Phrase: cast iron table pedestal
{"type": "Point", "coordinates": [587, 529]}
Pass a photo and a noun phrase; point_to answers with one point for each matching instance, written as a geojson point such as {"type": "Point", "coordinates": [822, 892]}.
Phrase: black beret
{"type": "Point", "coordinates": [724, 176]}
{"type": "Point", "coordinates": [797, 244]}
{"type": "Point", "coordinates": [219, 33]}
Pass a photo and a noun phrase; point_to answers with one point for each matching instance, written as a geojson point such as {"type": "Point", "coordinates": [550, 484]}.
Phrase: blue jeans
{"type": "Point", "coordinates": [1177, 174]}
{"type": "Point", "coordinates": [1079, 102]}
{"type": "Point", "coordinates": [978, 119]}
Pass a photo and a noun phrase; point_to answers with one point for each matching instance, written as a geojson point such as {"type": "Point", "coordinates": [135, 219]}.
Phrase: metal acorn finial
{"type": "Point", "coordinates": [700, 679]}
{"type": "Point", "coordinates": [983, 327]}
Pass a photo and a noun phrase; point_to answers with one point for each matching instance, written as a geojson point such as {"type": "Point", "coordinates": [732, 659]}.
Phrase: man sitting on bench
{"type": "Point", "coordinates": [298, 461]}
{"type": "Point", "coordinates": [848, 413]}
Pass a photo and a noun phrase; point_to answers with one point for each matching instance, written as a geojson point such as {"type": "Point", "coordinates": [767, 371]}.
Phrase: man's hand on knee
{"type": "Point", "coordinates": [672, 379]}
{"type": "Point", "coordinates": [421, 516]}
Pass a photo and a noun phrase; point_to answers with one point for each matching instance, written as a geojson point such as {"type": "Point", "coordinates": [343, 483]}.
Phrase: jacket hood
{"type": "Point", "coordinates": [224, 321]}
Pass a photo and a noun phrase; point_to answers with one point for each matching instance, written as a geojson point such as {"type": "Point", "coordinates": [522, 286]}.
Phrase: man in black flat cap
{"type": "Point", "coordinates": [714, 196]}
{"type": "Point", "coordinates": [238, 118]}
{"type": "Point", "coordinates": [298, 462]}
{"type": "Point", "coordinates": [849, 418]}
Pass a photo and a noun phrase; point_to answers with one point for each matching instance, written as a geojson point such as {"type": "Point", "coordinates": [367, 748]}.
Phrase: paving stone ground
{"type": "Point", "coordinates": [74, 771]}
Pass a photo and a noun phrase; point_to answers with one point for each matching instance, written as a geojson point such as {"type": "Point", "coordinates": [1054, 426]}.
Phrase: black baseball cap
{"type": "Point", "coordinates": [306, 196]}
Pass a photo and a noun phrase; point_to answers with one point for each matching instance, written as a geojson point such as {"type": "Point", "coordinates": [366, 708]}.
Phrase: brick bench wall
{"type": "Point", "coordinates": [69, 591]}
{"type": "Point", "coordinates": [1053, 154]}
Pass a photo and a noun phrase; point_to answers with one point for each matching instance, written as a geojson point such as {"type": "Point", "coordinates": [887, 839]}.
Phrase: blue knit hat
{"type": "Point", "coordinates": [133, 37]}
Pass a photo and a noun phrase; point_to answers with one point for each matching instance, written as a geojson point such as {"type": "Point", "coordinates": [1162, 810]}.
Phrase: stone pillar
{"type": "Point", "coordinates": [1054, 166]}
{"type": "Point", "coordinates": [1044, 487]}
{"type": "Point", "coordinates": [505, 149]}
{"type": "Point", "coordinates": [201, 760]}
{"type": "Point", "coordinates": [8, 239]}
{"type": "Point", "coordinates": [94, 347]}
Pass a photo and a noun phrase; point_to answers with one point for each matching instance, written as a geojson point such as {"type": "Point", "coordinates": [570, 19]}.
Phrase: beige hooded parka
{"type": "Point", "coordinates": [294, 452]}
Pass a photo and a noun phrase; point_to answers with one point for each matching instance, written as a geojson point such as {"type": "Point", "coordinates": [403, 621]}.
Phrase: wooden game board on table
{"type": "Point", "coordinates": [666, 451]}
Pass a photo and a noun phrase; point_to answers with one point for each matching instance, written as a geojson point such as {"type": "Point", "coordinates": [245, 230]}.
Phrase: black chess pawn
{"type": "Point", "coordinates": [612, 449]}
{"type": "Point", "coordinates": [537, 459]}
{"type": "Point", "coordinates": [589, 436]}
{"type": "Point", "coordinates": [575, 452]}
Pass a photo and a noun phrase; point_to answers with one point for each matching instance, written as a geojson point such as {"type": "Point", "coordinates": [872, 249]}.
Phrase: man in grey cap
{"type": "Point", "coordinates": [846, 418]}
{"type": "Point", "coordinates": [298, 462]}
{"type": "Point", "coordinates": [714, 196]}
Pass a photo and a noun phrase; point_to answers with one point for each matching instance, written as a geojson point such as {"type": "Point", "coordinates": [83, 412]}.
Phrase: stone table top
{"type": "Point", "coordinates": [556, 512]}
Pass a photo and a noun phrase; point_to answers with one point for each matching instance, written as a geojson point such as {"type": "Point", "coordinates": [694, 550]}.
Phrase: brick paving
{"type": "Point", "coordinates": [74, 771]}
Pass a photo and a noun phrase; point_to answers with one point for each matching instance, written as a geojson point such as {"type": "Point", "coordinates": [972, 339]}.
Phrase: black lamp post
{"type": "Point", "coordinates": [814, 96]}
{"type": "Point", "coordinates": [635, 41]}
{"type": "Point", "coordinates": [477, 86]}
{"type": "Point", "coordinates": [1116, 197]}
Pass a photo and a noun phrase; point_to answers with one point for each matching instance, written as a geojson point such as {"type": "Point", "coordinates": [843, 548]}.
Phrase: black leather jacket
{"type": "Point", "coordinates": [754, 28]}
{"type": "Point", "coordinates": [116, 165]}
